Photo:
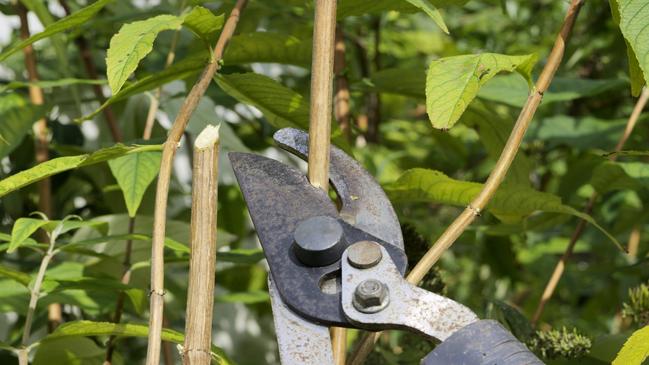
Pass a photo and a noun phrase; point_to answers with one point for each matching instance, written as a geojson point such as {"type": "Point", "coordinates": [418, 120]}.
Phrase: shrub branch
{"type": "Point", "coordinates": [162, 188]}
{"type": "Point", "coordinates": [552, 283]}
{"type": "Point", "coordinates": [497, 175]}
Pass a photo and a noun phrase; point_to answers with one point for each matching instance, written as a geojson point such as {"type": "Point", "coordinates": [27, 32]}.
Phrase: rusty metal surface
{"type": "Point", "coordinates": [410, 307]}
{"type": "Point", "coordinates": [279, 197]}
{"type": "Point", "coordinates": [300, 342]}
{"type": "Point", "coordinates": [364, 203]}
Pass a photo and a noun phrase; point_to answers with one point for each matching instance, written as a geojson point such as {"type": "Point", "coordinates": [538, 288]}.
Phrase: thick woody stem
{"type": "Point", "coordinates": [160, 210]}
{"type": "Point", "coordinates": [202, 264]}
{"type": "Point", "coordinates": [324, 34]}
{"type": "Point", "coordinates": [324, 31]}
{"type": "Point", "coordinates": [497, 175]}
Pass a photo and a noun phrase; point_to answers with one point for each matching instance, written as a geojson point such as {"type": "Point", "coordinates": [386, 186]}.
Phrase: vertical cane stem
{"type": "Point", "coordinates": [202, 264]}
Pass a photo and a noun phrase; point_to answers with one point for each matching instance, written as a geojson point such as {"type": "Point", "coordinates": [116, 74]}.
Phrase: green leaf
{"type": "Point", "coordinates": [7, 347]}
{"type": "Point", "coordinates": [402, 81]}
{"type": "Point", "coordinates": [22, 229]}
{"type": "Point", "coordinates": [281, 106]}
{"type": "Point", "coordinates": [494, 131]}
{"type": "Point", "coordinates": [204, 23]}
{"type": "Point", "coordinates": [432, 12]}
{"type": "Point", "coordinates": [347, 8]}
{"type": "Point", "coordinates": [90, 328]}
{"type": "Point", "coordinates": [510, 203]}
{"type": "Point", "coordinates": [580, 133]}
{"type": "Point", "coordinates": [136, 296]}
{"type": "Point", "coordinates": [176, 246]}
{"type": "Point", "coordinates": [513, 319]}
{"type": "Point", "coordinates": [610, 176]}
{"type": "Point", "coordinates": [178, 71]}
{"type": "Point", "coordinates": [631, 16]}
{"type": "Point", "coordinates": [15, 275]}
{"type": "Point", "coordinates": [241, 256]}
{"type": "Point", "coordinates": [635, 349]}
{"type": "Point", "coordinates": [452, 82]}
{"type": "Point", "coordinates": [512, 90]}
{"type": "Point", "coordinates": [131, 44]}
{"type": "Point", "coordinates": [605, 347]}
{"type": "Point", "coordinates": [57, 165]}
{"type": "Point", "coordinates": [50, 83]}
{"type": "Point", "coordinates": [67, 225]}
{"type": "Point", "coordinates": [134, 173]}
{"type": "Point", "coordinates": [70, 351]}
{"type": "Point", "coordinates": [268, 47]}
{"type": "Point", "coordinates": [249, 297]}
{"type": "Point", "coordinates": [73, 20]}
{"type": "Point", "coordinates": [17, 117]}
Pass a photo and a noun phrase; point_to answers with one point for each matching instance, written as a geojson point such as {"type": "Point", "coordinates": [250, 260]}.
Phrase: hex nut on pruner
{"type": "Point", "coordinates": [371, 296]}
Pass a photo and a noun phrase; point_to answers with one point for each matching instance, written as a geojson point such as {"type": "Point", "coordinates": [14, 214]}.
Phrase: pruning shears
{"type": "Point", "coordinates": [344, 267]}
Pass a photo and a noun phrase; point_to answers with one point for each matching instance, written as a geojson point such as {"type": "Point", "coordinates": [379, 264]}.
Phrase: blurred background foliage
{"type": "Point", "coordinates": [499, 267]}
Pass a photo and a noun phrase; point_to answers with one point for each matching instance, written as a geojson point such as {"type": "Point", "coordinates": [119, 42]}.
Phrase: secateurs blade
{"type": "Point", "coordinates": [331, 267]}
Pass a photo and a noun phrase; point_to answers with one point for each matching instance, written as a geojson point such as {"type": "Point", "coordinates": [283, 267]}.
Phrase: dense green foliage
{"type": "Point", "coordinates": [430, 114]}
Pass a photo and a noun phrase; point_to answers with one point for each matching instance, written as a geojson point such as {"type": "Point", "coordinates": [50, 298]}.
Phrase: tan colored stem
{"type": "Point", "coordinates": [497, 175]}
{"type": "Point", "coordinates": [342, 96]}
{"type": "Point", "coordinates": [324, 31]}
{"type": "Point", "coordinates": [324, 34]}
{"type": "Point", "coordinates": [162, 189]}
{"type": "Point", "coordinates": [202, 264]}
{"type": "Point", "coordinates": [552, 283]}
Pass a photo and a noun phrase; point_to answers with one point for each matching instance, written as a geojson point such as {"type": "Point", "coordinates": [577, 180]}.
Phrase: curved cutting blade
{"type": "Point", "coordinates": [279, 197]}
{"type": "Point", "coordinates": [364, 203]}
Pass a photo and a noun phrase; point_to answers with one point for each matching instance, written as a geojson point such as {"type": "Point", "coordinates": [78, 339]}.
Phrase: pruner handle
{"type": "Point", "coordinates": [484, 342]}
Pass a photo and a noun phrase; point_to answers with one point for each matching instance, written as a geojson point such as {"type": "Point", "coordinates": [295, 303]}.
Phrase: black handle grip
{"type": "Point", "coordinates": [485, 342]}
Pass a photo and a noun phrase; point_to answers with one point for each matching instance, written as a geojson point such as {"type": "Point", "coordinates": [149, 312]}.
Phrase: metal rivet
{"type": "Point", "coordinates": [364, 254]}
{"type": "Point", "coordinates": [371, 296]}
{"type": "Point", "coordinates": [318, 241]}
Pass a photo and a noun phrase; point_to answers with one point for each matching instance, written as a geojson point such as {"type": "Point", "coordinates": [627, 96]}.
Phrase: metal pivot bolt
{"type": "Point", "coordinates": [318, 241]}
{"type": "Point", "coordinates": [371, 296]}
{"type": "Point", "coordinates": [364, 254]}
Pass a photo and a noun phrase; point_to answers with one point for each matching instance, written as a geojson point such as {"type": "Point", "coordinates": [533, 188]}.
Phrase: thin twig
{"type": "Point", "coordinates": [496, 176]}
{"type": "Point", "coordinates": [202, 264]}
{"type": "Point", "coordinates": [551, 286]}
{"type": "Point", "coordinates": [162, 189]}
{"type": "Point", "coordinates": [41, 138]}
{"type": "Point", "coordinates": [35, 294]}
